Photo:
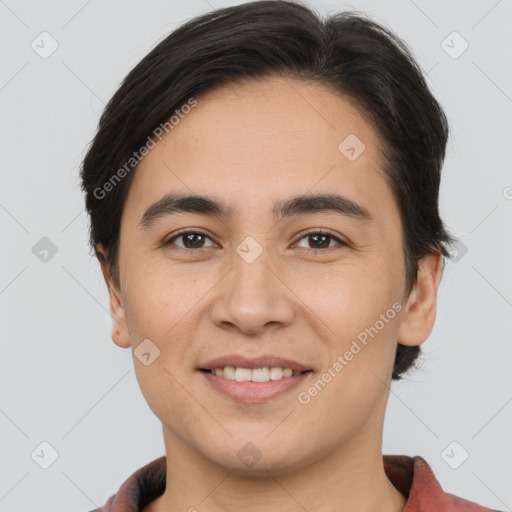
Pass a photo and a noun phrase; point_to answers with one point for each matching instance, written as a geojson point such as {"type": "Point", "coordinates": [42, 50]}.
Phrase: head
{"type": "Point", "coordinates": [257, 108]}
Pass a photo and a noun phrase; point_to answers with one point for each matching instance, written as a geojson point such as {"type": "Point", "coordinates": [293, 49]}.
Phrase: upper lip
{"type": "Point", "coordinates": [264, 361]}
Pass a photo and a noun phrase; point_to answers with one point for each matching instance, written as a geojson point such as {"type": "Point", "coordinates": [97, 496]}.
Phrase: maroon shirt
{"type": "Point", "coordinates": [412, 476]}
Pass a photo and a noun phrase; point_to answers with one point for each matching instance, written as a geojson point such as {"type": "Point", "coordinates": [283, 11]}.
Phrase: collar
{"type": "Point", "coordinates": [412, 476]}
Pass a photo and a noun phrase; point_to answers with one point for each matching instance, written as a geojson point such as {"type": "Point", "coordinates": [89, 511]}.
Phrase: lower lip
{"type": "Point", "coordinates": [253, 392]}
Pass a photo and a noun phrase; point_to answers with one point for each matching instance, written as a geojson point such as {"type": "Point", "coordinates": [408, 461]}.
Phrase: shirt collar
{"type": "Point", "coordinates": [412, 476]}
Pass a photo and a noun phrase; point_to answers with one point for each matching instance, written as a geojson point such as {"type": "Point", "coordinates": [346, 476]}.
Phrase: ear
{"type": "Point", "coordinates": [119, 331]}
{"type": "Point", "coordinates": [420, 309]}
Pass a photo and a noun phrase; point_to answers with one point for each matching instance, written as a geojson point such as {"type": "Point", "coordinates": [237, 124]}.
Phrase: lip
{"type": "Point", "coordinates": [264, 361]}
{"type": "Point", "coordinates": [253, 392]}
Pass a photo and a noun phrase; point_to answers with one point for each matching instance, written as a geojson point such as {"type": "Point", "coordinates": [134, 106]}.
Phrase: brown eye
{"type": "Point", "coordinates": [321, 240]}
{"type": "Point", "coordinates": [190, 240]}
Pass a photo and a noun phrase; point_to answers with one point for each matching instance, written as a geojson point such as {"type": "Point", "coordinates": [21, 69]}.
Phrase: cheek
{"type": "Point", "coordinates": [359, 314]}
{"type": "Point", "coordinates": [161, 310]}
{"type": "Point", "coordinates": [159, 298]}
{"type": "Point", "coordinates": [353, 386]}
{"type": "Point", "coordinates": [166, 395]}
{"type": "Point", "coordinates": [351, 296]}
{"type": "Point", "coordinates": [162, 307]}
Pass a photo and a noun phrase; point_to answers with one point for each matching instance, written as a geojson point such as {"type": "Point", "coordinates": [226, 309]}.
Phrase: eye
{"type": "Point", "coordinates": [195, 240]}
{"type": "Point", "coordinates": [190, 239]}
{"type": "Point", "coordinates": [321, 240]}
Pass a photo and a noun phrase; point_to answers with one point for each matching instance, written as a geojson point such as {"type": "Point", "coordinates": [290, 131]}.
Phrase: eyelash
{"type": "Point", "coordinates": [170, 241]}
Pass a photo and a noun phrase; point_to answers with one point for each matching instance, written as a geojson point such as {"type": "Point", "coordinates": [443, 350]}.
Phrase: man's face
{"type": "Point", "coordinates": [252, 285]}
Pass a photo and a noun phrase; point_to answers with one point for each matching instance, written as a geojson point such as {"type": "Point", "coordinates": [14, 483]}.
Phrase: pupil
{"type": "Point", "coordinates": [194, 238]}
{"type": "Point", "coordinates": [189, 237]}
{"type": "Point", "coordinates": [315, 237]}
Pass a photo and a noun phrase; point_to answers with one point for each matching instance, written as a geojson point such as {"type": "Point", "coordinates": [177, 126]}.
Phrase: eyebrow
{"type": "Point", "coordinates": [175, 203]}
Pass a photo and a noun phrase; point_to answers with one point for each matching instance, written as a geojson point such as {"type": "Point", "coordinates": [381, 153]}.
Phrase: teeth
{"type": "Point", "coordinates": [228, 372]}
{"type": "Point", "coordinates": [254, 375]}
{"type": "Point", "coordinates": [260, 375]}
{"type": "Point", "coordinates": [276, 373]}
{"type": "Point", "coordinates": [243, 374]}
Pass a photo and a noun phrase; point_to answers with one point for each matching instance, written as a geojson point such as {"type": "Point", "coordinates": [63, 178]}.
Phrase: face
{"type": "Point", "coordinates": [318, 284]}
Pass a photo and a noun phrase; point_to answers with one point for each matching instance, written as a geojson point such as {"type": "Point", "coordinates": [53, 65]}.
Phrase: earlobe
{"type": "Point", "coordinates": [420, 309]}
{"type": "Point", "coordinates": [120, 334]}
{"type": "Point", "coordinates": [119, 330]}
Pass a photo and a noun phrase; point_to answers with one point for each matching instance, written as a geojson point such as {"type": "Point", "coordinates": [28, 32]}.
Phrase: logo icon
{"type": "Point", "coordinates": [249, 249]}
{"type": "Point", "coordinates": [44, 45]}
{"type": "Point", "coordinates": [44, 455]}
{"type": "Point", "coordinates": [249, 454]}
{"type": "Point", "coordinates": [454, 455]}
{"type": "Point", "coordinates": [352, 147]}
{"type": "Point", "coordinates": [457, 251]}
{"type": "Point", "coordinates": [454, 45]}
{"type": "Point", "coordinates": [44, 250]}
{"type": "Point", "coordinates": [147, 352]}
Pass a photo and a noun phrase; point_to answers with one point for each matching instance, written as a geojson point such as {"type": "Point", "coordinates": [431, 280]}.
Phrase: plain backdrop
{"type": "Point", "coordinates": [62, 380]}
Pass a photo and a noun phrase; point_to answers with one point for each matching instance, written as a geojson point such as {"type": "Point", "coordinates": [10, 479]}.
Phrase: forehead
{"type": "Point", "coordinates": [264, 139]}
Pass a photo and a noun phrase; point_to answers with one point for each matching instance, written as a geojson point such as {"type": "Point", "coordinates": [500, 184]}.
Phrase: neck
{"type": "Point", "coordinates": [343, 480]}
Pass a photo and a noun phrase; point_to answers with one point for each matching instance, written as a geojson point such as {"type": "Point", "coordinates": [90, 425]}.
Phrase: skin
{"type": "Point", "coordinates": [251, 145]}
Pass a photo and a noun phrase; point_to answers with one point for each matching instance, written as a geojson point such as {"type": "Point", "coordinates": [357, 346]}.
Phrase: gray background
{"type": "Point", "coordinates": [64, 382]}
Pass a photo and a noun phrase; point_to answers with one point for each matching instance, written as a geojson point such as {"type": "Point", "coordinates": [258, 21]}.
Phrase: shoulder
{"type": "Point", "coordinates": [431, 495]}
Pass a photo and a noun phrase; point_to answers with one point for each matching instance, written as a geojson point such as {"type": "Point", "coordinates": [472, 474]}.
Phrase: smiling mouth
{"type": "Point", "coordinates": [266, 374]}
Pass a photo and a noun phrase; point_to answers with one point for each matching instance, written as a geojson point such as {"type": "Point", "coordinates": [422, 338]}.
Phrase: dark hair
{"type": "Point", "coordinates": [347, 52]}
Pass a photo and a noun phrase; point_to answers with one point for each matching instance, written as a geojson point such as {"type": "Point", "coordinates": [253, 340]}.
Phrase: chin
{"type": "Point", "coordinates": [259, 456]}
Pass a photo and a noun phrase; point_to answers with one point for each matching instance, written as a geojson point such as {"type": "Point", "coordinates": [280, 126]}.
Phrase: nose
{"type": "Point", "coordinates": [253, 296]}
